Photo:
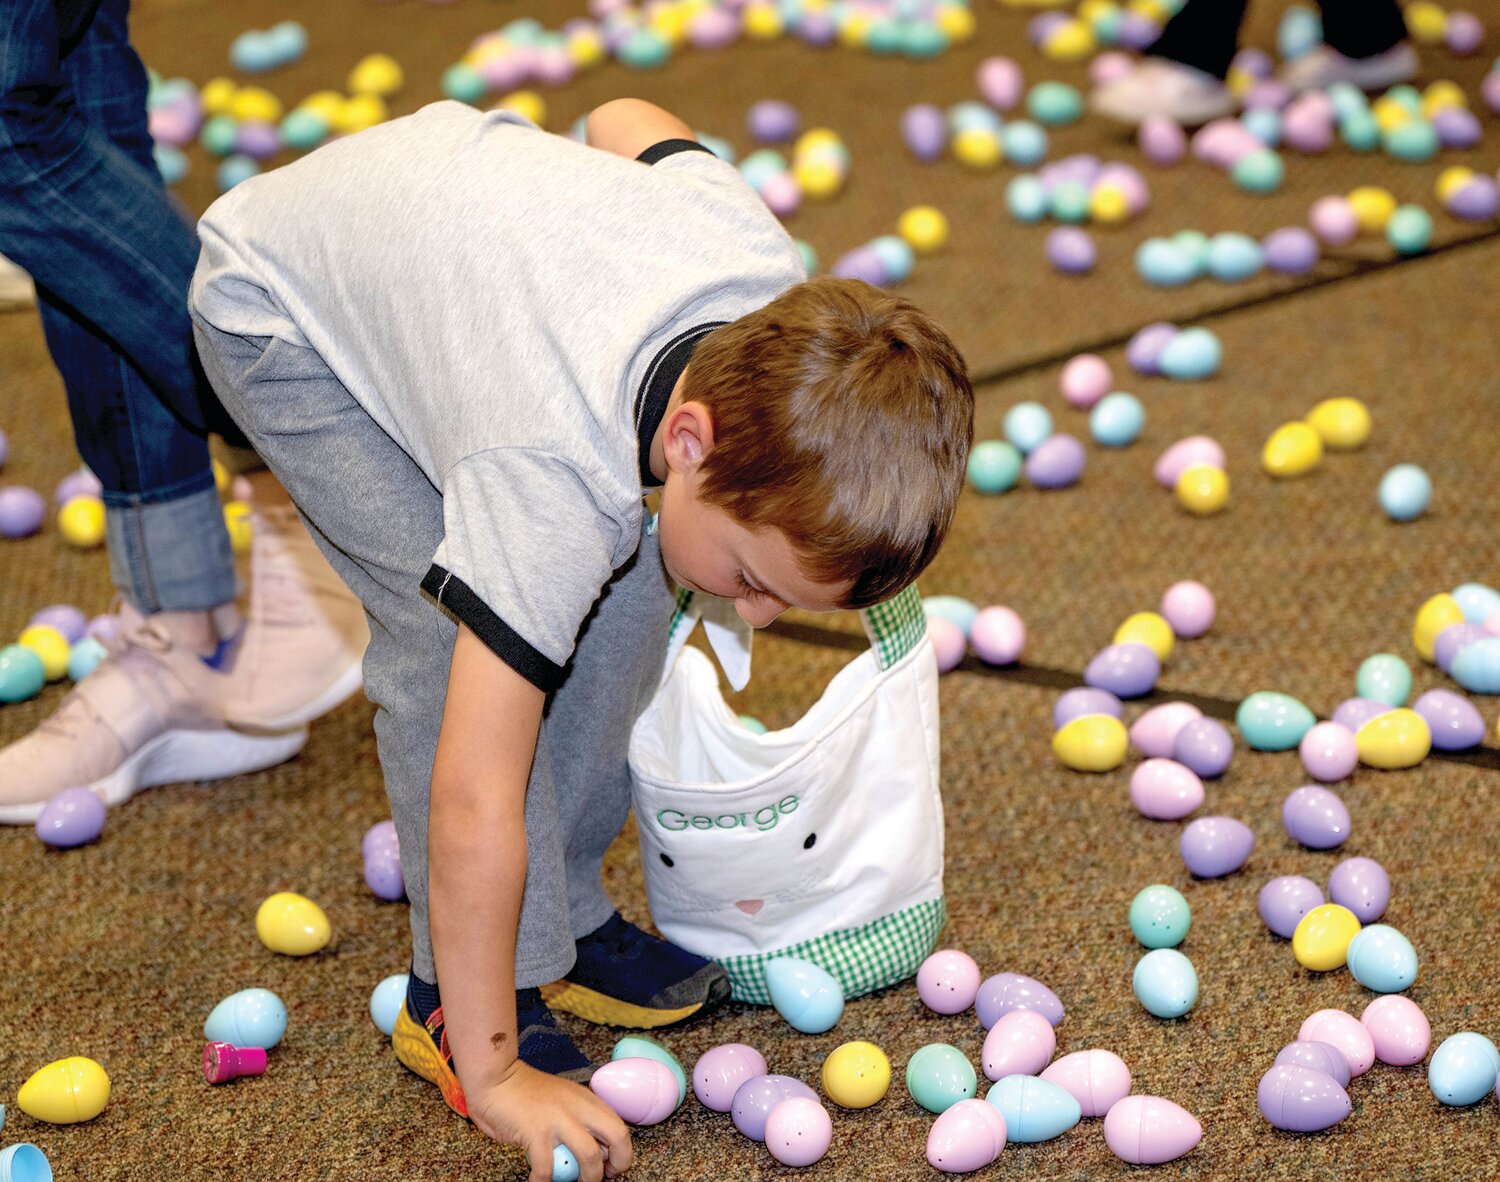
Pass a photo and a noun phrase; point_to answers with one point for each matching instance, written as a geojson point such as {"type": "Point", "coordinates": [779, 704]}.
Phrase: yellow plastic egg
{"type": "Point", "coordinates": [1321, 939]}
{"type": "Point", "coordinates": [1239, 81]}
{"type": "Point", "coordinates": [253, 102]}
{"type": "Point", "coordinates": [977, 147]}
{"type": "Point", "coordinates": [1426, 21]}
{"type": "Point", "coordinates": [217, 94]}
{"type": "Point", "coordinates": [1294, 449]}
{"type": "Point", "coordinates": [924, 228]}
{"type": "Point", "coordinates": [327, 103]}
{"type": "Point", "coordinates": [1342, 423]}
{"type": "Point", "coordinates": [50, 645]}
{"type": "Point", "coordinates": [1451, 179]}
{"type": "Point", "coordinates": [1109, 204]}
{"type": "Point", "coordinates": [1373, 207]}
{"type": "Point", "coordinates": [762, 22]}
{"type": "Point", "coordinates": [1442, 95]}
{"type": "Point", "coordinates": [1389, 114]}
{"type": "Point", "coordinates": [1150, 629]}
{"type": "Point", "coordinates": [292, 924]}
{"type": "Point", "coordinates": [816, 138]}
{"type": "Point", "coordinates": [670, 23]}
{"type": "Point", "coordinates": [956, 22]}
{"type": "Point", "coordinates": [856, 1075]}
{"type": "Point", "coordinates": [818, 178]}
{"type": "Point", "coordinates": [855, 31]}
{"type": "Point", "coordinates": [65, 1092]}
{"type": "Point", "coordinates": [1153, 10]}
{"type": "Point", "coordinates": [1439, 612]}
{"type": "Point", "coordinates": [1091, 743]}
{"type": "Point", "coordinates": [237, 523]}
{"type": "Point", "coordinates": [1395, 739]}
{"type": "Point", "coordinates": [221, 476]}
{"type": "Point", "coordinates": [1095, 10]}
{"type": "Point", "coordinates": [1203, 490]}
{"type": "Point", "coordinates": [81, 522]}
{"type": "Point", "coordinates": [586, 48]}
{"type": "Point", "coordinates": [525, 103]}
{"type": "Point", "coordinates": [360, 112]}
{"type": "Point", "coordinates": [1071, 41]}
{"type": "Point", "coordinates": [379, 74]}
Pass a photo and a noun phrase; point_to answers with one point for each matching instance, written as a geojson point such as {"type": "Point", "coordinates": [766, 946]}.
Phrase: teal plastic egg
{"type": "Point", "coordinates": [1382, 959]}
{"type": "Point", "coordinates": [235, 170]}
{"type": "Point", "coordinates": [1054, 103]}
{"type": "Point", "coordinates": [463, 83]}
{"type": "Point", "coordinates": [644, 49]}
{"type": "Point", "coordinates": [1160, 917]}
{"type": "Point", "coordinates": [22, 673]}
{"type": "Point", "coordinates": [1162, 263]}
{"type": "Point", "coordinates": [1359, 131]}
{"type": "Point", "coordinates": [805, 994]}
{"type": "Point", "coordinates": [994, 466]}
{"type": "Point", "coordinates": [1165, 983]}
{"type": "Point", "coordinates": [1026, 199]}
{"type": "Point", "coordinates": [1414, 141]}
{"type": "Point", "coordinates": [1034, 1109]}
{"type": "Point", "coordinates": [1024, 143]}
{"type": "Point", "coordinates": [170, 162]}
{"type": "Point", "coordinates": [938, 1076]}
{"type": "Point", "coordinates": [957, 610]}
{"type": "Point", "coordinates": [1273, 722]}
{"type": "Point", "coordinates": [1070, 202]}
{"type": "Point", "coordinates": [1194, 244]}
{"type": "Point", "coordinates": [1463, 1069]}
{"type": "Point", "coordinates": [1410, 229]}
{"type": "Point", "coordinates": [84, 657]}
{"type": "Point", "coordinates": [1384, 677]}
{"type": "Point", "coordinates": [304, 129]}
{"type": "Point", "coordinates": [218, 135]}
{"type": "Point", "coordinates": [1258, 172]}
{"type": "Point", "coordinates": [249, 1018]}
{"type": "Point", "coordinates": [638, 1046]}
{"type": "Point", "coordinates": [809, 257]}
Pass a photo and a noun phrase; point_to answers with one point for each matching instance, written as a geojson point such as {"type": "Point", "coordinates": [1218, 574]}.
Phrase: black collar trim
{"type": "Point", "coordinates": [656, 389]}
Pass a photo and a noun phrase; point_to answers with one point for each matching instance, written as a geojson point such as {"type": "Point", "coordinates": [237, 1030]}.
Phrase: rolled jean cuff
{"type": "Point", "coordinates": [171, 556]}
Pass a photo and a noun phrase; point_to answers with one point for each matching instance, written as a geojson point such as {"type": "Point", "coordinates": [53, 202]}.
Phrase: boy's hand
{"type": "Point", "coordinates": [536, 1111]}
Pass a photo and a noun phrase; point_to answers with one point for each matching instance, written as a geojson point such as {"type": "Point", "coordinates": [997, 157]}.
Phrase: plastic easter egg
{"type": "Point", "coordinates": [1163, 263]}
{"type": "Point", "coordinates": [1362, 886]}
{"type": "Point", "coordinates": [1316, 817]}
{"type": "Point", "coordinates": [1203, 490]}
{"type": "Point", "coordinates": [1117, 420]}
{"type": "Point", "coordinates": [22, 674]}
{"type": "Point", "coordinates": [925, 131]}
{"type": "Point", "coordinates": [805, 994]}
{"type": "Point", "coordinates": [1005, 992]}
{"type": "Point", "coordinates": [1353, 713]}
{"type": "Point", "coordinates": [249, 1018]}
{"type": "Point", "coordinates": [1316, 1056]}
{"type": "Point", "coordinates": [1463, 1069]}
{"type": "Point", "coordinates": [1097, 1079]}
{"type": "Point", "coordinates": [1085, 380]}
{"type": "Point", "coordinates": [1026, 199]}
{"type": "Point", "coordinates": [564, 1165]}
{"type": "Point", "coordinates": [1301, 1099]}
{"type": "Point", "coordinates": [638, 1046]}
{"type": "Point", "coordinates": [1382, 959]}
{"type": "Point", "coordinates": [24, 1162]}
{"type": "Point", "coordinates": [719, 1072]}
{"type": "Point", "coordinates": [641, 1091]}
{"type": "Point", "coordinates": [1294, 449]}
{"type": "Point", "coordinates": [1148, 1130]}
{"type": "Point", "coordinates": [1026, 424]}
{"type": "Point", "coordinates": [1071, 251]}
{"type": "Point", "coordinates": [1284, 901]}
{"type": "Point", "coordinates": [1452, 720]}
{"type": "Point", "coordinates": [70, 623]}
{"type": "Point", "coordinates": [997, 636]}
{"type": "Point", "coordinates": [1477, 602]}
{"type": "Point", "coordinates": [947, 643]}
{"type": "Point", "coordinates": [1212, 847]}
{"type": "Point", "coordinates": [1056, 462]}
{"type": "Point", "coordinates": [1476, 201]}
{"type": "Point", "coordinates": [1000, 82]}
{"type": "Point", "coordinates": [757, 1096]}
{"type": "Point", "coordinates": [84, 657]}
{"type": "Point", "coordinates": [22, 511]}
{"type": "Point", "coordinates": [977, 147]}
{"type": "Point", "coordinates": [948, 981]}
{"type": "Point", "coordinates": [292, 925]}
{"type": "Point", "coordinates": [1204, 746]}
{"type": "Point", "coordinates": [1395, 739]}
{"type": "Point", "coordinates": [1143, 350]}
{"type": "Point", "coordinates": [1321, 940]}
{"type": "Point", "coordinates": [994, 466]}
{"type": "Point", "coordinates": [966, 1137]}
{"type": "Point", "coordinates": [1476, 667]}
{"type": "Point", "coordinates": [1333, 219]}
{"type": "Point", "coordinates": [1160, 917]}
{"type": "Point", "coordinates": [1082, 701]}
{"type": "Point", "coordinates": [1022, 1042]}
{"type": "Point", "coordinates": [1414, 141]}
{"type": "Point", "coordinates": [1463, 34]}
{"type": "Point", "coordinates": [798, 1132]}
{"type": "Point", "coordinates": [1125, 670]}
{"type": "Point", "coordinates": [1384, 677]}
{"type": "Point", "coordinates": [1233, 258]}
{"type": "Point", "coordinates": [1092, 743]}
{"type": "Point", "coordinates": [50, 645]}
{"type": "Point", "coordinates": [81, 522]}
{"type": "Point", "coordinates": [1035, 1110]}
{"type": "Point", "coordinates": [1165, 983]}
{"type": "Point", "coordinates": [938, 1076]}
{"type": "Point", "coordinates": [1273, 722]}
{"type": "Point", "coordinates": [1341, 1030]}
{"type": "Point", "coordinates": [1372, 207]}
{"type": "Point", "coordinates": [1161, 140]}
{"type": "Point", "coordinates": [1188, 606]}
{"type": "Point", "coordinates": [1437, 613]}
{"type": "Point", "coordinates": [958, 611]}
{"type": "Point", "coordinates": [1329, 752]}
{"type": "Point", "coordinates": [72, 817]}
{"type": "Point", "coordinates": [856, 1075]}
{"type": "Point", "coordinates": [1398, 1029]}
{"type": "Point", "coordinates": [386, 1001]}
{"type": "Point", "coordinates": [1154, 733]}
{"type": "Point", "coordinates": [1023, 143]}
{"type": "Point", "coordinates": [1054, 103]}
{"type": "Point", "coordinates": [1410, 229]}
{"type": "Point", "coordinates": [65, 1092]}
{"type": "Point", "coordinates": [924, 228]}
{"type": "Point", "coordinates": [1291, 250]}
{"type": "Point", "coordinates": [1165, 790]}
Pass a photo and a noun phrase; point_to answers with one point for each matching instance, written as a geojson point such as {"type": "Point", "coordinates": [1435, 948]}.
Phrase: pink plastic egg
{"type": "Point", "coordinates": [1147, 1130]}
{"type": "Point", "coordinates": [1022, 1042]}
{"type": "Point", "coordinates": [1000, 82]}
{"type": "Point", "coordinates": [947, 642]}
{"type": "Point", "coordinates": [798, 1132]}
{"type": "Point", "coordinates": [997, 636]}
{"type": "Point", "coordinates": [1085, 380]}
{"type": "Point", "coordinates": [1307, 124]}
{"type": "Point", "coordinates": [756, 1098]}
{"type": "Point", "coordinates": [641, 1091]}
{"type": "Point", "coordinates": [1154, 732]}
{"type": "Point", "coordinates": [719, 1073]}
{"type": "Point", "coordinates": [948, 981]}
{"type": "Point", "coordinates": [966, 1137]}
{"type": "Point", "coordinates": [1184, 454]}
{"type": "Point", "coordinates": [1161, 140]}
{"type": "Point", "coordinates": [1398, 1029]}
{"type": "Point", "coordinates": [1224, 141]}
{"type": "Point", "coordinates": [1333, 220]}
{"type": "Point", "coordinates": [1109, 66]}
{"type": "Point", "coordinates": [1189, 606]}
{"type": "Point", "coordinates": [1097, 1079]}
{"type": "Point", "coordinates": [1164, 790]}
{"type": "Point", "coordinates": [1329, 752]}
{"type": "Point", "coordinates": [1341, 1029]}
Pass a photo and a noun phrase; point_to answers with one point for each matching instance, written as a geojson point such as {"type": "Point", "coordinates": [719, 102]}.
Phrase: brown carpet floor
{"type": "Point", "coordinates": [118, 950]}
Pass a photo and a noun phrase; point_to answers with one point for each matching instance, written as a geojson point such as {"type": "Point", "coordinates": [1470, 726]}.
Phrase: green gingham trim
{"type": "Point", "coordinates": [896, 626]}
{"type": "Point", "coordinates": [863, 959]}
{"type": "Point", "coordinates": [680, 615]}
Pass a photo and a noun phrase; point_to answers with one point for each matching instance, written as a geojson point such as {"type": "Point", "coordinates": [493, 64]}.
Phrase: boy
{"type": "Point", "coordinates": [464, 345]}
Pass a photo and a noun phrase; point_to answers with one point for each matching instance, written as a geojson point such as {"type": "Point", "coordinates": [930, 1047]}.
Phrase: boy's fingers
{"type": "Point", "coordinates": [611, 1132]}
{"type": "Point", "coordinates": [539, 1155]}
{"type": "Point", "coordinates": [586, 1151]}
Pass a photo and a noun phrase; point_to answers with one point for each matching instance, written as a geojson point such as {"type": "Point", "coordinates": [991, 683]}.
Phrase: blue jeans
{"type": "Point", "coordinates": [84, 210]}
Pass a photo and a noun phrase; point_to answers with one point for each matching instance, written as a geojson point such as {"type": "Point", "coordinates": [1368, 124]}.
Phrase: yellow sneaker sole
{"type": "Point", "coordinates": [596, 1007]}
{"type": "Point", "coordinates": [413, 1047]}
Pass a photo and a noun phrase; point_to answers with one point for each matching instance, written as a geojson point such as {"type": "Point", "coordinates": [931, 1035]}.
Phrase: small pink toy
{"type": "Point", "coordinates": [997, 636]}
{"type": "Point", "coordinates": [719, 1073]}
{"type": "Point", "coordinates": [1165, 790]}
{"type": "Point", "coordinates": [947, 642]}
{"type": "Point", "coordinates": [798, 1132]}
{"type": "Point", "coordinates": [1163, 141]}
{"type": "Point", "coordinates": [1154, 732]}
{"type": "Point", "coordinates": [1398, 1029]}
{"type": "Point", "coordinates": [1342, 1030]}
{"type": "Point", "coordinates": [966, 1137]}
{"type": "Point", "coordinates": [1147, 1130]}
{"type": "Point", "coordinates": [1333, 220]}
{"type": "Point", "coordinates": [948, 981]}
{"type": "Point", "coordinates": [1185, 454]}
{"type": "Point", "coordinates": [222, 1062]}
{"type": "Point", "coordinates": [1097, 1079]}
{"type": "Point", "coordinates": [1085, 380]}
{"type": "Point", "coordinates": [1189, 606]}
{"type": "Point", "coordinates": [641, 1091]}
{"type": "Point", "coordinates": [1329, 752]}
{"type": "Point", "coordinates": [1021, 1043]}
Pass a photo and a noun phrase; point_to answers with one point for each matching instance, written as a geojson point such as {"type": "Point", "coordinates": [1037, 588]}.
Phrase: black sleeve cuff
{"type": "Point", "coordinates": [665, 148]}
{"type": "Point", "coordinates": [498, 636]}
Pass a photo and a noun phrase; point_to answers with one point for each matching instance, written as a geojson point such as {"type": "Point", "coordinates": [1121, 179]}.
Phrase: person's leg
{"type": "Point", "coordinates": [1205, 34]}
{"type": "Point", "coordinates": [1364, 45]}
{"type": "Point", "coordinates": [1182, 75]}
{"type": "Point", "coordinates": [1362, 28]}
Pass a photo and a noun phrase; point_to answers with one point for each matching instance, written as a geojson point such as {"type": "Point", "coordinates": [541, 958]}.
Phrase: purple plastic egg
{"type": "Point", "coordinates": [1162, 141]}
{"type": "Point", "coordinates": [863, 262]}
{"type": "Point", "coordinates": [1205, 746]}
{"type": "Point", "coordinates": [257, 139]}
{"type": "Point", "coordinates": [1361, 885]}
{"type": "Point", "coordinates": [1463, 34]}
{"type": "Point", "coordinates": [1333, 220]}
{"type": "Point", "coordinates": [815, 28]}
{"type": "Point", "coordinates": [1137, 30]}
{"type": "Point", "coordinates": [1284, 901]}
{"type": "Point", "coordinates": [1316, 1056]}
{"type": "Point", "coordinates": [757, 1096]}
{"type": "Point", "coordinates": [1301, 1100]}
{"type": "Point", "coordinates": [1329, 752]}
{"type": "Point", "coordinates": [1143, 351]}
{"type": "Point", "coordinates": [21, 511]}
{"type": "Point", "coordinates": [924, 128]}
{"type": "Point", "coordinates": [1043, 25]}
{"type": "Point", "coordinates": [1212, 847]}
{"type": "Point", "coordinates": [1164, 790]}
{"type": "Point", "coordinates": [81, 483]}
{"type": "Point", "coordinates": [1353, 713]}
{"type": "Point", "coordinates": [1056, 462]}
{"type": "Point", "coordinates": [1476, 200]}
{"type": "Point", "coordinates": [1253, 62]}
{"type": "Point", "coordinates": [1489, 90]}
{"type": "Point", "coordinates": [379, 836]}
{"type": "Point", "coordinates": [997, 636]}
{"type": "Point", "coordinates": [948, 642]}
{"type": "Point", "coordinates": [1290, 250]}
{"type": "Point", "coordinates": [773, 122]}
{"type": "Point", "coordinates": [1130, 183]}
{"type": "Point", "coordinates": [1084, 700]}
{"type": "Point", "coordinates": [948, 981]}
{"type": "Point", "coordinates": [798, 1131]}
{"type": "Point", "coordinates": [383, 873]}
{"type": "Point", "coordinates": [1457, 127]}
{"type": "Point", "coordinates": [1188, 606]}
{"type": "Point", "coordinates": [1451, 639]}
{"type": "Point", "coordinates": [1000, 82]}
{"type": "Point", "coordinates": [641, 1091]}
{"type": "Point", "coordinates": [1004, 992]}
{"type": "Point", "coordinates": [75, 816]}
{"type": "Point", "coordinates": [1454, 722]}
{"type": "Point", "coordinates": [719, 1072]}
{"type": "Point", "coordinates": [1155, 732]}
{"type": "Point", "coordinates": [1187, 453]}
{"type": "Point", "coordinates": [1316, 817]}
{"type": "Point", "coordinates": [1071, 251]}
{"type": "Point", "coordinates": [1125, 670]}
{"type": "Point", "coordinates": [1269, 93]}
{"type": "Point", "coordinates": [103, 628]}
{"type": "Point", "coordinates": [66, 618]}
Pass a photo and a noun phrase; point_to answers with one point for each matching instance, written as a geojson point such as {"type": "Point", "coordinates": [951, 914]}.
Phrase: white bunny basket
{"type": "Point", "coordinates": [823, 840]}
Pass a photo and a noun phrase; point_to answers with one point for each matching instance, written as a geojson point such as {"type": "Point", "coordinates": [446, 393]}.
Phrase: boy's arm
{"type": "Point", "coordinates": [629, 126]}
{"type": "Point", "coordinates": [476, 876]}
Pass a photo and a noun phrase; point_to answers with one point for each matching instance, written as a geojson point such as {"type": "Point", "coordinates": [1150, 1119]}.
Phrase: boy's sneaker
{"type": "Point", "coordinates": [625, 977]}
{"type": "Point", "coordinates": [1161, 87]}
{"type": "Point", "coordinates": [1325, 66]}
{"type": "Point", "coordinates": [151, 713]}
{"type": "Point", "coordinates": [305, 632]}
{"type": "Point", "coordinates": [421, 1044]}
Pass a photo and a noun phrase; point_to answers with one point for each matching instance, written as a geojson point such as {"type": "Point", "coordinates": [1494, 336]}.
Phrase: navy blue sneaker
{"type": "Point", "coordinates": [625, 977]}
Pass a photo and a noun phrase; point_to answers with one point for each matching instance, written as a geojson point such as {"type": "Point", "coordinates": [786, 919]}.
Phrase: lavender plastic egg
{"type": "Point", "coordinates": [1290, 250]}
{"type": "Point", "coordinates": [1464, 33]}
{"type": "Point", "coordinates": [719, 1072]}
{"type": "Point", "coordinates": [757, 1096]}
{"type": "Point", "coordinates": [1454, 722]}
{"type": "Point", "coordinates": [1187, 453]}
{"type": "Point", "coordinates": [257, 139]}
{"type": "Point", "coordinates": [1205, 746]}
{"type": "Point", "coordinates": [1056, 462]}
{"type": "Point", "coordinates": [773, 122]}
{"type": "Point", "coordinates": [641, 1091]}
{"type": "Point", "coordinates": [1137, 30]}
{"type": "Point", "coordinates": [1300, 1100]}
{"type": "Point", "coordinates": [1361, 885]}
{"type": "Point", "coordinates": [1284, 901]}
{"type": "Point", "coordinates": [1353, 713]}
{"type": "Point", "coordinates": [1329, 752]}
{"type": "Point", "coordinates": [1476, 200]}
{"type": "Point", "coordinates": [81, 483]}
{"type": "Point", "coordinates": [861, 263]}
{"type": "Point", "coordinates": [1144, 349]}
{"type": "Point", "coordinates": [66, 618]}
{"type": "Point", "coordinates": [924, 128]}
{"type": "Point", "coordinates": [1334, 221]}
{"type": "Point", "coordinates": [1162, 141]}
{"type": "Point", "coordinates": [1212, 847]}
{"type": "Point", "coordinates": [948, 981]}
{"type": "Point", "coordinates": [1451, 639]}
{"type": "Point", "coordinates": [75, 816]}
{"type": "Point", "coordinates": [1316, 817]}
{"type": "Point", "coordinates": [21, 511]}
{"type": "Point", "coordinates": [798, 1132]}
{"type": "Point", "coordinates": [378, 836]}
{"type": "Point", "coordinates": [1125, 670]}
{"type": "Point", "coordinates": [1071, 251]}
{"type": "Point", "coordinates": [383, 874]}
{"type": "Point", "coordinates": [1004, 992]}
{"type": "Point", "coordinates": [1188, 605]}
{"type": "Point", "coordinates": [1316, 1056]}
{"type": "Point", "coordinates": [1000, 82]}
{"type": "Point", "coordinates": [997, 636]}
{"type": "Point", "coordinates": [1084, 700]}
{"type": "Point", "coordinates": [1457, 127]}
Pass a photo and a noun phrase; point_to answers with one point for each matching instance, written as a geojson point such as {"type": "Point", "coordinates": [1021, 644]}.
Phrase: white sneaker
{"type": "Point", "coordinates": [1160, 87]}
{"type": "Point", "coordinates": [1324, 67]}
{"type": "Point", "coordinates": [150, 714]}
{"type": "Point", "coordinates": [16, 288]}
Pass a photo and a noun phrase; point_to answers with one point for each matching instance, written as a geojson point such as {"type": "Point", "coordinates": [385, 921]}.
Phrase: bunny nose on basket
{"type": "Point", "coordinates": [750, 906]}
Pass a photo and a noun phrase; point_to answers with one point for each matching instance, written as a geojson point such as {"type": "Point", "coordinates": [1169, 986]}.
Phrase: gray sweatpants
{"type": "Point", "coordinates": [379, 520]}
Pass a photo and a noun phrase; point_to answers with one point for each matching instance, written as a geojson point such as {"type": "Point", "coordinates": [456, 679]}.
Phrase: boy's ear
{"type": "Point", "coordinates": [689, 437]}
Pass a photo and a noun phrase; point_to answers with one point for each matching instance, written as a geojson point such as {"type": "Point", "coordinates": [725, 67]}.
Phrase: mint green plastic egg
{"type": "Point", "coordinates": [938, 1076]}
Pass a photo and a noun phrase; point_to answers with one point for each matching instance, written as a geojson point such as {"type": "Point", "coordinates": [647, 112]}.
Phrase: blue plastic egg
{"type": "Point", "coordinates": [84, 657]}
{"type": "Point", "coordinates": [1264, 123]}
{"type": "Point", "coordinates": [386, 1000]}
{"type": "Point", "coordinates": [973, 114]}
{"type": "Point", "coordinates": [1346, 99]}
{"type": "Point", "coordinates": [1382, 959]}
{"type": "Point", "coordinates": [249, 1018]}
{"type": "Point", "coordinates": [1165, 983]}
{"type": "Point", "coordinates": [234, 170]}
{"type": "Point", "coordinates": [564, 1165]}
{"type": "Point", "coordinates": [253, 52]}
{"type": "Point", "coordinates": [994, 466]}
{"type": "Point", "coordinates": [1385, 677]}
{"type": "Point", "coordinates": [170, 162]}
{"type": "Point", "coordinates": [1233, 257]}
{"type": "Point", "coordinates": [896, 256]}
{"type": "Point", "coordinates": [1034, 1109]}
{"type": "Point", "coordinates": [1162, 263]}
{"type": "Point", "coordinates": [957, 610]}
{"type": "Point", "coordinates": [805, 994]}
{"type": "Point", "coordinates": [1026, 424]}
{"type": "Point", "coordinates": [1193, 354]}
{"type": "Point", "coordinates": [938, 1076]}
{"type": "Point", "coordinates": [1117, 420]}
{"type": "Point", "coordinates": [1024, 143]}
{"type": "Point", "coordinates": [1477, 601]}
{"type": "Point", "coordinates": [1477, 666]}
{"type": "Point", "coordinates": [1026, 199]}
{"type": "Point", "coordinates": [1463, 1069]}
{"type": "Point", "coordinates": [22, 673]}
{"type": "Point", "coordinates": [1405, 492]}
{"type": "Point", "coordinates": [1299, 33]}
{"type": "Point", "coordinates": [1273, 722]}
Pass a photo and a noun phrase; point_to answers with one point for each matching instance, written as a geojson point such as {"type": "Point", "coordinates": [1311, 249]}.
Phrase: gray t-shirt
{"type": "Point", "coordinates": [513, 308]}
